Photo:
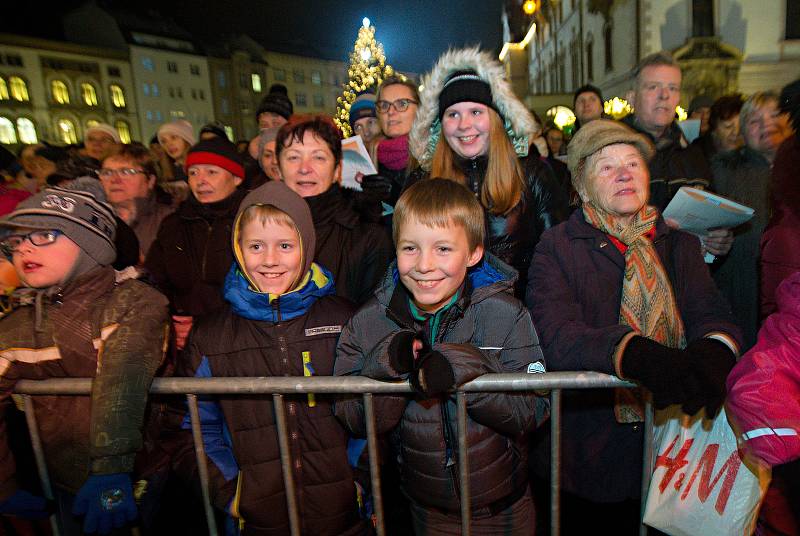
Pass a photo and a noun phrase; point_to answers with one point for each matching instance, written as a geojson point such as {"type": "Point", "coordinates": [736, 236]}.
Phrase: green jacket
{"type": "Point", "coordinates": [96, 327]}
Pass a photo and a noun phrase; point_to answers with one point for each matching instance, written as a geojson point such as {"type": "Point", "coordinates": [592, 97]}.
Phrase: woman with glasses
{"type": "Point", "coordinates": [470, 127]}
{"type": "Point", "coordinates": [129, 179]}
{"type": "Point", "coordinates": [396, 105]}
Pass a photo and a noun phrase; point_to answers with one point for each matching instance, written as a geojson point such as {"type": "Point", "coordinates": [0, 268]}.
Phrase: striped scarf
{"type": "Point", "coordinates": [648, 304]}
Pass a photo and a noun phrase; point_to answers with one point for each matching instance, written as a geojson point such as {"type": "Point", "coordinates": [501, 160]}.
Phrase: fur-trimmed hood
{"type": "Point", "coordinates": [426, 131]}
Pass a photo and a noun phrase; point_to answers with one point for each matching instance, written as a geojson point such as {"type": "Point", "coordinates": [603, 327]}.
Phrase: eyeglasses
{"type": "Point", "coordinates": [401, 105]}
{"type": "Point", "coordinates": [106, 173]}
{"type": "Point", "coordinates": [11, 243]}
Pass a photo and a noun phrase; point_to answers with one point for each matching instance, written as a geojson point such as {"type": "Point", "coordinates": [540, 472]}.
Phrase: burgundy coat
{"type": "Point", "coordinates": [574, 293]}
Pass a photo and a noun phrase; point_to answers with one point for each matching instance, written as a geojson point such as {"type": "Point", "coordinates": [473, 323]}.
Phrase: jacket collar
{"type": "Point", "coordinates": [194, 209]}
{"type": "Point", "coordinates": [673, 135]}
{"type": "Point", "coordinates": [255, 305]}
{"type": "Point", "coordinates": [489, 277]}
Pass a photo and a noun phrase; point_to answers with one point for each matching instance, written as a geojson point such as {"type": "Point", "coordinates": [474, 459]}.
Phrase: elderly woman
{"type": "Point", "coordinates": [356, 252]}
{"type": "Point", "coordinates": [615, 290]}
{"type": "Point", "coordinates": [744, 176]}
{"type": "Point", "coordinates": [129, 179]}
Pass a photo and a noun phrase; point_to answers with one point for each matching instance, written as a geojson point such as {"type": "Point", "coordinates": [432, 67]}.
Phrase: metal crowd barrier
{"type": "Point", "coordinates": [554, 382]}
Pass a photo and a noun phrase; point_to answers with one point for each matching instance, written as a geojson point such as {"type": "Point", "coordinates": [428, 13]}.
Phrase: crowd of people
{"type": "Point", "coordinates": [486, 242]}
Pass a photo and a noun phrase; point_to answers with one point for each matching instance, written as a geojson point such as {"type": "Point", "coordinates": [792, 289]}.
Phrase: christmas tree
{"type": "Point", "coordinates": [367, 70]}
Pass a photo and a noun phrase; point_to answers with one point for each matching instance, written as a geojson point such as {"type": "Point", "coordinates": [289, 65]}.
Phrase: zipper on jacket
{"type": "Point", "coordinates": [205, 251]}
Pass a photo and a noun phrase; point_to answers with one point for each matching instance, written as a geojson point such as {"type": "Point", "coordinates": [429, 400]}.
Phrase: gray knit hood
{"type": "Point", "coordinates": [427, 129]}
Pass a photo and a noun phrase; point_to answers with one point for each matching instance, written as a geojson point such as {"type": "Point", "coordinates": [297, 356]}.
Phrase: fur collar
{"type": "Point", "coordinates": [425, 134]}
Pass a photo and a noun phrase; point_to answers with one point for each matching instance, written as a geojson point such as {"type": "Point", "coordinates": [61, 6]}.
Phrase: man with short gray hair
{"type": "Point", "coordinates": [656, 94]}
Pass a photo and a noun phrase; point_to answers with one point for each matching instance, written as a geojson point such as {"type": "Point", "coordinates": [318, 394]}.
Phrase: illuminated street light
{"type": "Point", "coordinates": [530, 7]}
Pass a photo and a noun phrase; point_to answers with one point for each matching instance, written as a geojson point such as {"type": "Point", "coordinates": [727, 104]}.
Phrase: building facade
{"type": "Point", "coordinates": [54, 91]}
{"type": "Point", "coordinates": [313, 84]}
{"type": "Point", "coordinates": [722, 45]}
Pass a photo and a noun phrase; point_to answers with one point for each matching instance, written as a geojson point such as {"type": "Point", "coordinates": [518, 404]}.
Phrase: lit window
{"type": "Point", "coordinates": [60, 92]}
{"type": "Point", "coordinates": [124, 131]}
{"type": "Point", "coordinates": [66, 131]}
{"type": "Point", "coordinates": [3, 90]}
{"type": "Point", "coordinates": [256, 82]}
{"type": "Point", "coordinates": [89, 94]}
{"type": "Point", "coordinates": [92, 123]}
{"type": "Point", "coordinates": [159, 116]}
{"type": "Point", "coordinates": [149, 115]}
{"type": "Point", "coordinates": [154, 89]}
{"type": "Point", "coordinates": [316, 78]}
{"type": "Point", "coordinates": [18, 89]}
{"type": "Point", "coordinates": [27, 132]}
{"type": "Point", "coordinates": [117, 96]}
{"type": "Point", "coordinates": [147, 63]}
{"type": "Point", "coordinates": [229, 132]}
{"type": "Point", "coordinates": [7, 133]}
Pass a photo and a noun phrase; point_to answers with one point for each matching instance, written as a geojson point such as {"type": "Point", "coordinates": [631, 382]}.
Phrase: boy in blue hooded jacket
{"type": "Point", "coordinates": [281, 318]}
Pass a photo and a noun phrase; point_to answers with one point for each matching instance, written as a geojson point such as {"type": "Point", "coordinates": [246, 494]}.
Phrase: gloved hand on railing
{"type": "Point", "coordinates": [376, 187]}
{"type": "Point", "coordinates": [107, 501]}
{"type": "Point", "coordinates": [432, 374]}
{"type": "Point", "coordinates": [403, 350]}
{"type": "Point", "coordinates": [26, 505]}
{"type": "Point", "coordinates": [668, 373]}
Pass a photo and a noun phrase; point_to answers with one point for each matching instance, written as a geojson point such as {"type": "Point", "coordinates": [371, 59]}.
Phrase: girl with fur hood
{"type": "Point", "coordinates": [470, 127]}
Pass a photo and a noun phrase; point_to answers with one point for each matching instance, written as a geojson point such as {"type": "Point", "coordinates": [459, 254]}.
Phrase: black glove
{"type": "Point", "coordinates": [713, 361]}
{"type": "Point", "coordinates": [433, 374]}
{"type": "Point", "coordinates": [666, 372]}
{"type": "Point", "coordinates": [377, 187]}
{"type": "Point", "coordinates": [401, 351]}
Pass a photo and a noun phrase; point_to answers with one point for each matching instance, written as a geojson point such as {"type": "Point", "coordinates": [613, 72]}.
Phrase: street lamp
{"type": "Point", "coordinates": [530, 6]}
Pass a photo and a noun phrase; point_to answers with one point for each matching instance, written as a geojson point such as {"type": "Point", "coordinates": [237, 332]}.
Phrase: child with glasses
{"type": "Point", "coordinates": [76, 320]}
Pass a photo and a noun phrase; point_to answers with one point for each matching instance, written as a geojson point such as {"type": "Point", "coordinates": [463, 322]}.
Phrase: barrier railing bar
{"type": "Point", "coordinates": [202, 468]}
{"type": "Point", "coordinates": [555, 462]}
{"type": "Point", "coordinates": [278, 386]}
{"type": "Point", "coordinates": [374, 463]}
{"type": "Point", "coordinates": [647, 464]}
{"type": "Point", "coordinates": [286, 465]}
{"type": "Point", "coordinates": [463, 461]}
{"type": "Point", "coordinates": [330, 384]}
{"type": "Point", "coordinates": [38, 454]}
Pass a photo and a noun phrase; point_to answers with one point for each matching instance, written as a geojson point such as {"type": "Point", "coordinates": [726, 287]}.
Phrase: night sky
{"type": "Point", "coordinates": [414, 32]}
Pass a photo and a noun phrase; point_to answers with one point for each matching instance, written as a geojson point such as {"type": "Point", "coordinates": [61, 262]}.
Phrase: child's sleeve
{"type": "Point", "coordinates": [353, 360]}
{"type": "Point", "coordinates": [223, 468]}
{"type": "Point", "coordinates": [8, 468]}
{"type": "Point", "coordinates": [508, 413]}
{"type": "Point", "coordinates": [131, 349]}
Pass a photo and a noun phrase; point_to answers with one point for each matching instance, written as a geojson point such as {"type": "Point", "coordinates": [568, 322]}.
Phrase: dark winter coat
{"type": "Point", "coordinates": [94, 321]}
{"type": "Point", "coordinates": [192, 254]}
{"type": "Point", "coordinates": [574, 293]}
{"type": "Point", "coordinates": [250, 337]}
{"type": "Point", "coordinates": [743, 175]}
{"type": "Point", "coordinates": [357, 253]}
{"type": "Point", "coordinates": [674, 164]}
{"type": "Point", "coordinates": [150, 212]}
{"type": "Point", "coordinates": [485, 330]}
{"type": "Point", "coordinates": [512, 237]}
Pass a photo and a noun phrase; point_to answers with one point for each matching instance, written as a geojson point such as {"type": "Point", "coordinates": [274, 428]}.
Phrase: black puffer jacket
{"type": "Point", "coordinates": [191, 254]}
{"type": "Point", "coordinates": [357, 253]}
{"type": "Point", "coordinates": [512, 237]}
{"type": "Point", "coordinates": [485, 330]}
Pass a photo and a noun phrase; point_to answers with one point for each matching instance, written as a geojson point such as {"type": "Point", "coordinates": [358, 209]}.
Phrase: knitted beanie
{"type": "Point", "coordinates": [217, 152]}
{"type": "Point", "coordinates": [465, 86]}
{"type": "Point", "coordinates": [181, 128]}
{"type": "Point", "coordinates": [363, 106]}
{"type": "Point", "coordinates": [277, 101]}
{"type": "Point", "coordinates": [216, 128]}
{"type": "Point", "coordinates": [79, 211]}
{"type": "Point", "coordinates": [104, 128]}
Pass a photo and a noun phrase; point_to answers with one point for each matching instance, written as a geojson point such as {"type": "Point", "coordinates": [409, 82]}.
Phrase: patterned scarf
{"type": "Point", "coordinates": [648, 303]}
{"type": "Point", "coordinates": [393, 152]}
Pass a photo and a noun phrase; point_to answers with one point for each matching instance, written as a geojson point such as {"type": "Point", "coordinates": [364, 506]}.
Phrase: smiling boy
{"type": "Point", "coordinates": [444, 315]}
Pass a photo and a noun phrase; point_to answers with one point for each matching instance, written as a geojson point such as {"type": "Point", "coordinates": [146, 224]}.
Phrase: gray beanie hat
{"type": "Point", "coordinates": [596, 135]}
{"type": "Point", "coordinates": [78, 210]}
